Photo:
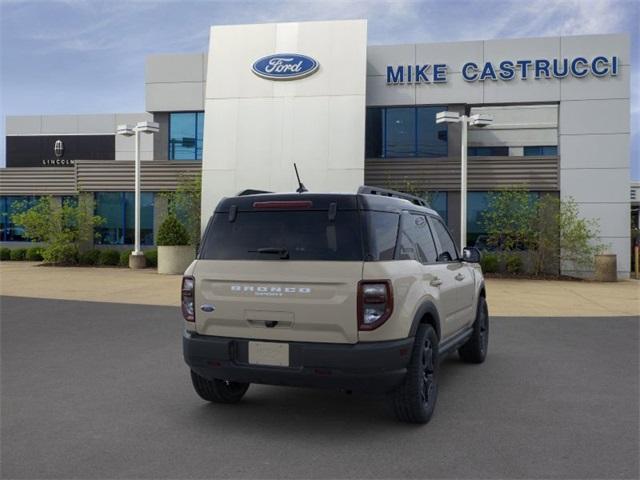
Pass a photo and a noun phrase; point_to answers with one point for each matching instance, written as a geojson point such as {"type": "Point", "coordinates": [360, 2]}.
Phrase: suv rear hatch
{"type": "Point", "coordinates": [281, 268]}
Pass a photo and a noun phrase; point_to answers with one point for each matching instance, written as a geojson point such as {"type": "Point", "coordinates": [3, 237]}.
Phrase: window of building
{"type": "Point", "coordinates": [185, 135]}
{"type": "Point", "coordinates": [488, 151]}
{"type": "Point", "coordinates": [117, 209]}
{"type": "Point", "coordinates": [541, 151]}
{"type": "Point", "coordinates": [438, 202]}
{"type": "Point", "coordinates": [405, 132]}
{"type": "Point", "coordinates": [9, 231]}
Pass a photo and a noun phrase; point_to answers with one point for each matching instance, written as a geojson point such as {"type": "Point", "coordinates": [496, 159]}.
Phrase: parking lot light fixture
{"type": "Point", "coordinates": [136, 260]}
{"type": "Point", "coordinates": [477, 120]}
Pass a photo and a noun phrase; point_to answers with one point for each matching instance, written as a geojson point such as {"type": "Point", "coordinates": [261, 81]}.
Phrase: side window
{"type": "Point", "coordinates": [447, 251]}
{"type": "Point", "coordinates": [415, 241]}
{"type": "Point", "coordinates": [383, 232]}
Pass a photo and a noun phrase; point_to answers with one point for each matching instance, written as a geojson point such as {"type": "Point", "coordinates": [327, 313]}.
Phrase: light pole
{"type": "Point", "coordinates": [477, 120]}
{"type": "Point", "coordinates": [136, 259]}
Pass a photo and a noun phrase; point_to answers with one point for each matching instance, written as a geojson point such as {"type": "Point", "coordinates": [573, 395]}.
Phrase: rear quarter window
{"type": "Point", "coordinates": [382, 233]}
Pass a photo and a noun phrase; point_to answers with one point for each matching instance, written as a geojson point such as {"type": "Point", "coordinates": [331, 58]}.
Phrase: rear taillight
{"type": "Point", "coordinates": [375, 303]}
{"type": "Point", "coordinates": [188, 310]}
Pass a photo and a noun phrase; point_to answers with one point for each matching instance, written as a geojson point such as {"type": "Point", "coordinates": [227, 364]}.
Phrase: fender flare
{"type": "Point", "coordinates": [426, 307]}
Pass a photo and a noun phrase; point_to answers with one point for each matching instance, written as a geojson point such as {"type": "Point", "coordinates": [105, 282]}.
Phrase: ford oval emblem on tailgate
{"type": "Point", "coordinates": [285, 66]}
{"type": "Point", "coordinates": [207, 308]}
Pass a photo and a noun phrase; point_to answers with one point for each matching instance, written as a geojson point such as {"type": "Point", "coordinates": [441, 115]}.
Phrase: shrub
{"type": "Point", "coordinates": [34, 254]}
{"type": "Point", "coordinates": [489, 262]}
{"type": "Point", "coordinates": [185, 204]}
{"type": "Point", "coordinates": [18, 254]}
{"type": "Point", "coordinates": [61, 227]}
{"type": "Point", "coordinates": [109, 257]}
{"type": "Point", "coordinates": [90, 257]}
{"type": "Point", "coordinates": [124, 258]}
{"type": "Point", "coordinates": [172, 232]}
{"type": "Point", "coordinates": [152, 258]}
{"type": "Point", "coordinates": [5, 254]}
{"type": "Point", "coordinates": [61, 254]}
{"type": "Point", "coordinates": [513, 263]}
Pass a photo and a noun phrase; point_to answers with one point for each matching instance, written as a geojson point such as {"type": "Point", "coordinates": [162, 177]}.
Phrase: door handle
{"type": "Point", "coordinates": [459, 277]}
{"type": "Point", "coordinates": [436, 282]}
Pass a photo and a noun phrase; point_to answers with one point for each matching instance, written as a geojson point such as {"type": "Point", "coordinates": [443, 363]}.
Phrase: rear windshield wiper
{"type": "Point", "coordinates": [283, 252]}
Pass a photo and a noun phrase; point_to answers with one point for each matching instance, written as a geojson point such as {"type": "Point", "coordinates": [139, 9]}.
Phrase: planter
{"type": "Point", "coordinates": [174, 260]}
{"type": "Point", "coordinates": [606, 268]}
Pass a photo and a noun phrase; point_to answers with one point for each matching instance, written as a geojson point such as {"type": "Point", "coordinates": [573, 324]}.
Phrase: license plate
{"type": "Point", "coordinates": [269, 353]}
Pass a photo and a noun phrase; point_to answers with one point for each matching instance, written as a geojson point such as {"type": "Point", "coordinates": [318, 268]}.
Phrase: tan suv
{"type": "Point", "coordinates": [361, 292]}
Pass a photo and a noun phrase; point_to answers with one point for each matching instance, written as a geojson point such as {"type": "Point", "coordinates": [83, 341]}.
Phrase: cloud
{"type": "Point", "coordinates": [65, 56]}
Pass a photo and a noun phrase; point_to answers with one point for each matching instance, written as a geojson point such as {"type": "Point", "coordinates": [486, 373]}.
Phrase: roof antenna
{"type": "Point", "coordinates": [301, 188]}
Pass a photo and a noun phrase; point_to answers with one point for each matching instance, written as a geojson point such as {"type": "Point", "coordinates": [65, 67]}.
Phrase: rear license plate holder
{"type": "Point", "coordinates": [273, 354]}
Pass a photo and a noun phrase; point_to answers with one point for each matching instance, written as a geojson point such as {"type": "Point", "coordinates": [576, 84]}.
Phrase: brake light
{"type": "Point", "coordinates": [187, 299]}
{"type": "Point", "coordinates": [375, 303]}
{"type": "Point", "coordinates": [284, 204]}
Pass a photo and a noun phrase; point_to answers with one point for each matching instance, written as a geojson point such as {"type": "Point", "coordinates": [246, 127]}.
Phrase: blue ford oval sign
{"type": "Point", "coordinates": [285, 66]}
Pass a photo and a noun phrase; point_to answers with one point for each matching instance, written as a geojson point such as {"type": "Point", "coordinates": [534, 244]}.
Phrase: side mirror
{"type": "Point", "coordinates": [471, 255]}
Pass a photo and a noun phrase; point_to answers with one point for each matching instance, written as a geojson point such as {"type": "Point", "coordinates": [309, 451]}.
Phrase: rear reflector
{"type": "Point", "coordinates": [284, 204]}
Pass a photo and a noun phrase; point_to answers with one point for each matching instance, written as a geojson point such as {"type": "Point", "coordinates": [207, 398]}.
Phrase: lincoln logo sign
{"type": "Point", "coordinates": [285, 66]}
{"type": "Point", "coordinates": [506, 70]}
{"type": "Point", "coordinates": [58, 148]}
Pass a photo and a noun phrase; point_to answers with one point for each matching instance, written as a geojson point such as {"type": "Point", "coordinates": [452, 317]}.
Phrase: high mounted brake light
{"type": "Point", "coordinates": [284, 204]}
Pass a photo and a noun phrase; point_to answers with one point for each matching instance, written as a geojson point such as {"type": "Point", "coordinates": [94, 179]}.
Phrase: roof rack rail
{"type": "Point", "coordinates": [251, 191]}
{"type": "Point", "coordinates": [392, 193]}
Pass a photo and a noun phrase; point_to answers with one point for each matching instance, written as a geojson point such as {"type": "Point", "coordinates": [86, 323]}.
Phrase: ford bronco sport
{"type": "Point", "coordinates": [361, 292]}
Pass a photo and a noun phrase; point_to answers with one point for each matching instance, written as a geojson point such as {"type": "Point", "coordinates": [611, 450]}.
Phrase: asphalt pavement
{"type": "Point", "coordinates": [99, 390]}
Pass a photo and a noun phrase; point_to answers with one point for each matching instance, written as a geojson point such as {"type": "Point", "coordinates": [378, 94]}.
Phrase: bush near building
{"type": "Point", "coordinates": [5, 254]}
{"type": "Point", "coordinates": [184, 203]}
{"type": "Point", "coordinates": [152, 257]}
{"type": "Point", "coordinates": [172, 232]}
{"type": "Point", "coordinates": [90, 257]}
{"type": "Point", "coordinates": [61, 227]}
{"type": "Point", "coordinates": [34, 254]}
{"type": "Point", "coordinates": [535, 235]}
{"type": "Point", "coordinates": [490, 262]}
{"type": "Point", "coordinates": [109, 257]}
{"type": "Point", "coordinates": [124, 258]}
{"type": "Point", "coordinates": [18, 254]}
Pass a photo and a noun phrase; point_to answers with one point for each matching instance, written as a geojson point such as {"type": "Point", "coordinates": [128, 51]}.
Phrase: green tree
{"type": "Point", "coordinates": [508, 220]}
{"type": "Point", "coordinates": [61, 227]}
{"type": "Point", "coordinates": [184, 203]}
{"type": "Point", "coordinates": [579, 237]}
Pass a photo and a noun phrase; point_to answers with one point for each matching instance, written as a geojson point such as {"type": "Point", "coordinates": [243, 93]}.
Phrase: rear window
{"type": "Point", "coordinates": [274, 235]}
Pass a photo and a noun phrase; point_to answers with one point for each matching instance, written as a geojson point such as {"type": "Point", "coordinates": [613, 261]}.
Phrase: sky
{"type": "Point", "coordinates": [88, 56]}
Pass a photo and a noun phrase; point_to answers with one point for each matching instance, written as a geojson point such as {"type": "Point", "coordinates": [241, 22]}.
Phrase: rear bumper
{"type": "Point", "coordinates": [364, 367]}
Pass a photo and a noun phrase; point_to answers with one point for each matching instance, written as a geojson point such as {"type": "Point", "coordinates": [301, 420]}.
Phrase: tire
{"type": "Point", "coordinates": [475, 349]}
{"type": "Point", "coordinates": [414, 401]}
{"type": "Point", "coordinates": [218, 391]}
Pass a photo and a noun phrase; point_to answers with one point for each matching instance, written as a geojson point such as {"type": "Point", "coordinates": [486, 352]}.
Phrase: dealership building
{"type": "Point", "coordinates": [267, 95]}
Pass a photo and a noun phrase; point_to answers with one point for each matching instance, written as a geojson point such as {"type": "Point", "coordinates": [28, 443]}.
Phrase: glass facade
{"type": "Point", "coordinates": [405, 132]}
{"type": "Point", "coordinates": [542, 151]}
{"type": "Point", "coordinates": [10, 232]}
{"type": "Point", "coordinates": [185, 135]}
{"type": "Point", "coordinates": [117, 209]}
{"type": "Point", "coordinates": [438, 202]}
{"type": "Point", "coordinates": [488, 151]}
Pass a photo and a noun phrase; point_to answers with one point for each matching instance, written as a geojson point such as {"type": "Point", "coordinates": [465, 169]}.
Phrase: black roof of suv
{"type": "Point", "coordinates": [366, 199]}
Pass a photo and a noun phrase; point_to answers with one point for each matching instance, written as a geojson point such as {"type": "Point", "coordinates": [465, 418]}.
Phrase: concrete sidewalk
{"type": "Point", "coordinates": [530, 298]}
